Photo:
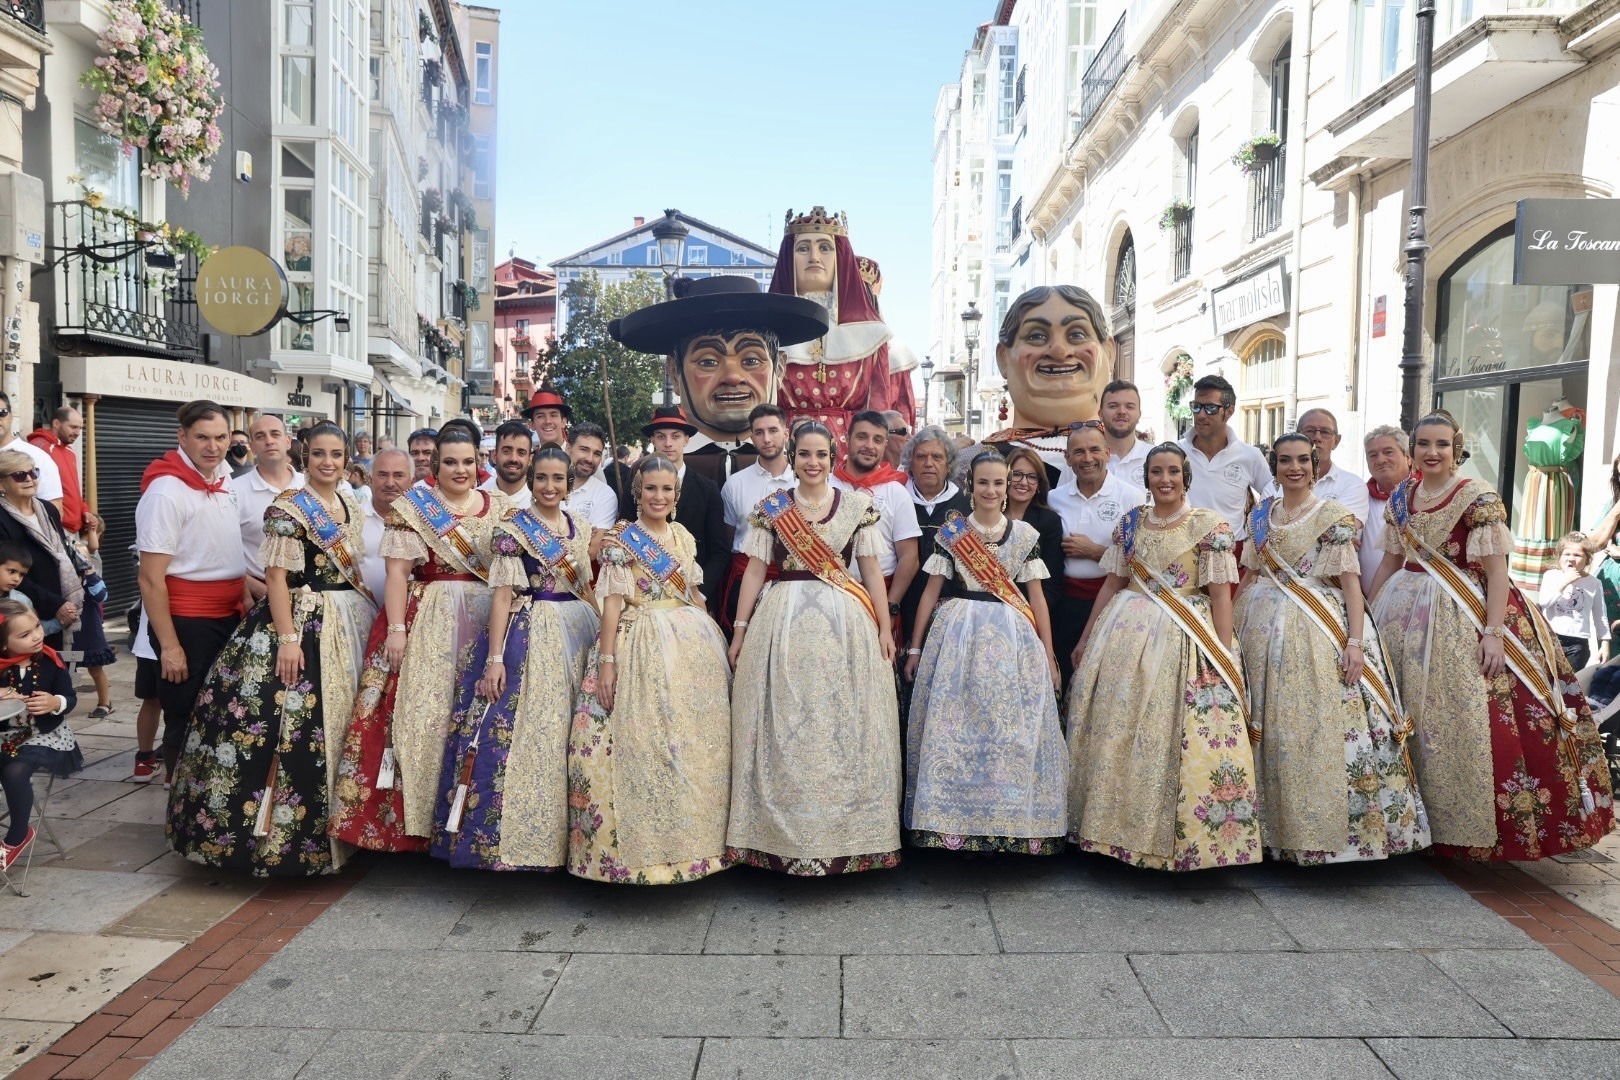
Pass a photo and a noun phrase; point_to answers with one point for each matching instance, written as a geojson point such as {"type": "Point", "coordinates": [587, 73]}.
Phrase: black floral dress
{"type": "Point", "coordinates": [248, 724]}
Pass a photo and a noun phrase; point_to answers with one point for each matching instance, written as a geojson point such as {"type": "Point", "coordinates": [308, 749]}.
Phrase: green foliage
{"type": "Point", "coordinates": [573, 362]}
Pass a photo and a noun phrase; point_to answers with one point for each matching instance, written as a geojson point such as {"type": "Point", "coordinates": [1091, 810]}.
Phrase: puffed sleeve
{"type": "Point", "coordinates": [1250, 559]}
{"type": "Point", "coordinates": [283, 544]}
{"type": "Point", "coordinates": [1487, 527]}
{"type": "Point", "coordinates": [1034, 568]}
{"type": "Point", "coordinates": [1216, 563]}
{"type": "Point", "coordinates": [868, 541]}
{"type": "Point", "coordinates": [617, 576]}
{"type": "Point", "coordinates": [1336, 549]}
{"type": "Point", "coordinates": [1113, 560]}
{"type": "Point", "coordinates": [761, 538]}
{"type": "Point", "coordinates": [400, 541]}
{"type": "Point", "coordinates": [939, 564]}
{"type": "Point", "coordinates": [506, 562]}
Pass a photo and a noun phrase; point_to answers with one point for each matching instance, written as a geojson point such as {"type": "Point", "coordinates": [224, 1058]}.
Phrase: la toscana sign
{"type": "Point", "coordinates": [1567, 242]}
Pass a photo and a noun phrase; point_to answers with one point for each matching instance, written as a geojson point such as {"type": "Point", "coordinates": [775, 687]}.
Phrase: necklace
{"type": "Point", "coordinates": [464, 507]}
{"type": "Point", "coordinates": [1430, 496]}
{"type": "Point", "coordinates": [812, 507]}
{"type": "Point", "coordinates": [1283, 516]}
{"type": "Point", "coordinates": [661, 537]}
{"type": "Point", "coordinates": [332, 505]}
{"type": "Point", "coordinates": [1170, 519]}
{"type": "Point", "coordinates": [989, 530]}
{"type": "Point", "coordinates": [559, 526]}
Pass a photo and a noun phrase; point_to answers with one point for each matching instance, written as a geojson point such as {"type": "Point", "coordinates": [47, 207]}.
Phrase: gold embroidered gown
{"type": "Point", "coordinates": [1331, 772]}
{"type": "Point", "coordinates": [650, 782]}
{"type": "Point", "coordinates": [1161, 773]}
{"type": "Point", "coordinates": [815, 782]}
{"type": "Point", "coordinates": [1500, 778]}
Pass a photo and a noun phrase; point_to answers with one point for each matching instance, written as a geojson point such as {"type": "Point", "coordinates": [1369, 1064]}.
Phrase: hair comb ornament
{"type": "Point", "coordinates": [817, 221]}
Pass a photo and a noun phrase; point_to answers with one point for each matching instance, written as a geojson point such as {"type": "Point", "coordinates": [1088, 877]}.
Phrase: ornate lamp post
{"type": "Point", "coordinates": [670, 234]}
{"type": "Point", "coordinates": [970, 341]}
{"type": "Point", "coordinates": [928, 377]}
{"type": "Point", "coordinates": [1417, 230]}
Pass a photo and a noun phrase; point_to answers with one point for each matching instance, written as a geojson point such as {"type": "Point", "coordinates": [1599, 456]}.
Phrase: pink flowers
{"type": "Point", "coordinates": [159, 92]}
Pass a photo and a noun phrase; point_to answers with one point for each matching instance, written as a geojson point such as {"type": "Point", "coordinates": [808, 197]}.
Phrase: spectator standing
{"type": "Point", "coordinates": [272, 473]}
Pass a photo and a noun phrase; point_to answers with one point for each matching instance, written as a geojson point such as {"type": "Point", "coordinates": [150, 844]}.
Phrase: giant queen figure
{"type": "Point", "coordinates": [831, 378]}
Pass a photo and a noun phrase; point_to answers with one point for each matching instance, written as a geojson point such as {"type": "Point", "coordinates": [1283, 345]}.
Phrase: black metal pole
{"type": "Point", "coordinates": [1417, 230]}
{"type": "Point", "coordinates": [669, 361]}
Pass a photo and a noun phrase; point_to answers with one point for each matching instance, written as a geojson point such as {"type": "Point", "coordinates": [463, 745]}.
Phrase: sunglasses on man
{"type": "Point", "coordinates": [423, 433]}
{"type": "Point", "coordinates": [900, 431]}
{"type": "Point", "coordinates": [1206, 408]}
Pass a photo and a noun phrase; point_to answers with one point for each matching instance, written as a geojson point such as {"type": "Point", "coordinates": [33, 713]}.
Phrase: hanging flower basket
{"type": "Point", "coordinates": [432, 201]}
{"type": "Point", "coordinates": [1175, 214]}
{"type": "Point", "coordinates": [1177, 386]}
{"type": "Point", "coordinates": [159, 92]}
{"type": "Point", "coordinates": [466, 213]}
{"type": "Point", "coordinates": [1257, 152]}
{"type": "Point", "coordinates": [469, 295]}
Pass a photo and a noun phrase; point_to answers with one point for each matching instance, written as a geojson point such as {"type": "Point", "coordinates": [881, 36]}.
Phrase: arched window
{"type": "Point", "coordinates": [1123, 318]}
{"type": "Point", "coordinates": [1262, 406]}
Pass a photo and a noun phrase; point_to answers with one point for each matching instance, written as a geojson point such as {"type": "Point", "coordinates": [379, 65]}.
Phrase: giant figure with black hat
{"type": "Point", "coordinates": [724, 340]}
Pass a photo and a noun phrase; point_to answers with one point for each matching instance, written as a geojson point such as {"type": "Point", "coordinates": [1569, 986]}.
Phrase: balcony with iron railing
{"type": "Point", "coordinates": [31, 13]}
{"type": "Point", "coordinates": [1102, 74]}
{"type": "Point", "coordinates": [1018, 89]}
{"type": "Point", "coordinates": [1181, 239]}
{"type": "Point", "coordinates": [1266, 194]}
{"type": "Point", "coordinates": [118, 286]}
{"type": "Point", "coordinates": [1017, 224]}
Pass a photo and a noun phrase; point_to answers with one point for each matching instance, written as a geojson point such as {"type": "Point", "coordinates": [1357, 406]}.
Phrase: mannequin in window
{"type": "Point", "coordinates": [1552, 444]}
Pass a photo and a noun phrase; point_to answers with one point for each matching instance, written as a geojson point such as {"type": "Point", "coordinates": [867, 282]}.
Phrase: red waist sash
{"type": "Point", "coordinates": [429, 573]}
{"type": "Point", "coordinates": [1415, 567]}
{"type": "Point", "coordinates": [1083, 588]}
{"type": "Point", "coordinates": [205, 599]}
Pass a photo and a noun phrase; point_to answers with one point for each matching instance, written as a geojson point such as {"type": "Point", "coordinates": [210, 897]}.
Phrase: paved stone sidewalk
{"type": "Point", "coordinates": [1061, 968]}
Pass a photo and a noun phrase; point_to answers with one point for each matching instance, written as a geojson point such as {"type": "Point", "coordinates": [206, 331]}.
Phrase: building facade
{"type": "Point", "coordinates": [525, 311]}
{"type": "Point", "coordinates": [480, 30]}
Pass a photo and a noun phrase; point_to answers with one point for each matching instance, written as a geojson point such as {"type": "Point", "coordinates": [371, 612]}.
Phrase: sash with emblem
{"type": "Point", "coordinates": [807, 545]}
{"type": "Point", "coordinates": [967, 547]}
{"type": "Point", "coordinates": [430, 516]}
{"type": "Point", "coordinates": [664, 567]}
{"type": "Point", "coordinates": [328, 536]}
{"type": "Point", "coordinates": [548, 550]}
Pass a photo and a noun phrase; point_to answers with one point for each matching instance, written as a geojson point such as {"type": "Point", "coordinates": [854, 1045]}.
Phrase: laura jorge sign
{"type": "Point", "coordinates": [1257, 295]}
{"type": "Point", "coordinates": [1567, 242]}
{"type": "Point", "coordinates": [241, 291]}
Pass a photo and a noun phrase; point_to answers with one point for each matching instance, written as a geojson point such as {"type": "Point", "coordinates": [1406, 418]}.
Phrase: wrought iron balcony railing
{"type": "Point", "coordinates": [31, 13]}
{"type": "Point", "coordinates": [1105, 70]}
{"type": "Point", "coordinates": [118, 286]}
{"type": "Point", "coordinates": [1266, 195]}
{"type": "Point", "coordinates": [191, 9]}
{"type": "Point", "coordinates": [1182, 236]}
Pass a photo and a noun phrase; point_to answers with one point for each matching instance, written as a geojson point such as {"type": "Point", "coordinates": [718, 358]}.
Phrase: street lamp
{"type": "Point", "coordinates": [970, 340]}
{"type": "Point", "coordinates": [928, 377]}
{"type": "Point", "coordinates": [1417, 230]}
{"type": "Point", "coordinates": [670, 233]}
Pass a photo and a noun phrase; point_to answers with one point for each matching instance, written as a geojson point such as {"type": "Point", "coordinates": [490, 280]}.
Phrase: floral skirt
{"type": "Point", "coordinates": [1161, 773]}
{"type": "Point", "coordinates": [251, 738]}
{"type": "Point", "coordinates": [512, 754]}
{"type": "Point", "coordinates": [650, 782]}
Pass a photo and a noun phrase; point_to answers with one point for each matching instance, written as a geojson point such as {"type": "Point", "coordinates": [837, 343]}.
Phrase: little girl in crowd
{"type": "Point", "coordinates": [1572, 600]}
{"type": "Point", "coordinates": [40, 738]}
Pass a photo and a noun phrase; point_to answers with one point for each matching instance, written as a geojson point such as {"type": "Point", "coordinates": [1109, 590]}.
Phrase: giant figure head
{"type": "Point", "coordinates": [817, 261]}
{"type": "Point", "coordinates": [1056, 353]}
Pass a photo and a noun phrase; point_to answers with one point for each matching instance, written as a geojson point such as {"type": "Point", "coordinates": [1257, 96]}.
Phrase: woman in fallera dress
{"type": "Point", "coordinates": [649, 753]}
{"type": "Point", "coordinates": [435, 604]}
{"type": "Point", "coordinates": [1334, 778]}
{"type": "Point", "coordinates": [987, 769]}
{"type": "Point", "coordinates": [1510, 762]}
{"type": "Point", "coordinates": [1161, 773]}
{"type": "Point", "coordinates": [505, 773]}
{"type": "Point", "coordinates": [252, 791]}
{"type": "Point", "coordinates": [815, 786]}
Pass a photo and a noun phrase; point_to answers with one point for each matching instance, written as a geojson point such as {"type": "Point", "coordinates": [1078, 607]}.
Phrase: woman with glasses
{"type": "Point", "coordinates": [1335, 780]}
{"type": "Point", "coordinates": [1161, 773]}
{"type": "Point", "coordinates": [1027, 489]}
{"type": "Point", "coordinates": [54, 583]}
{"type": "Point", "coordinates": [1512, 766]}
{"type": "Point", "coordinates": [435, 602]}
{"type": "Point", "coordinates": [986, 768]}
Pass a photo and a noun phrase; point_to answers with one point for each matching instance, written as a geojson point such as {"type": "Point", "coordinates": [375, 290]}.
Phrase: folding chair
{"type": "Point", "coordinates": [10, 879]}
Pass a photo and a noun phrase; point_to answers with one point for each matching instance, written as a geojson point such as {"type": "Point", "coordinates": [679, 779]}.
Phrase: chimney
{"type": "Point", "coordinates": [640, 221]}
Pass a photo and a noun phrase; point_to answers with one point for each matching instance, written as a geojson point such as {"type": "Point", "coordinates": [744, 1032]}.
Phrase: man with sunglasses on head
{"type": "Point", "coordinates": [420, 445]}
{"type": "Point", "coordinates": [1224, 468]}
{"type": "Point", "coordinates": [1091, 505]}
{"type": "Point", "coordinates": [50, 477]}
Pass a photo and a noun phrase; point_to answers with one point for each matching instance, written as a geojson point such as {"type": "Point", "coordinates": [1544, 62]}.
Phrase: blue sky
{"type": "Point", "coordinates": [765, 105]}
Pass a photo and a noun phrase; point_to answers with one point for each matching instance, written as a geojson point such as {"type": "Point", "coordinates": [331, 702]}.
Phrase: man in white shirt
{"type": "Point", "coordinates": [591, 496]}
{"type": "Point", "coordinates": [865, 470]}
{"type": "Point", "coordinates": [272, 473]}
{"type": "Point", "coordinates": [1388, 463]}
{"type": "Point", "coordinates": [1121, 411]}
{"type": "Point", "coordinates": [1224, 467]}
{"type": "Point", "coordinates": [391, 474]}
{"type": "Point", "coordinates": [1332, 481]}
{"type": "Point", "coordinates": [188, 532]}
{"type": "Point", "coordinates": [746, 488]}
{"type": "Point", "coordinates": [549, 415]}
{"type": "Point", "coordinates": [514, 447]}
{"type": "Point", "coordinates": [50, 477]}
{"type": "Point", "coordinates": [1091, 506]}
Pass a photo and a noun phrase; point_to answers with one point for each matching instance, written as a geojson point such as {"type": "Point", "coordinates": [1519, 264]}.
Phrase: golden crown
{"type": "Point", "coordinates": [869, 270]}
{"type": "Point", "coordinates": [817, 221]}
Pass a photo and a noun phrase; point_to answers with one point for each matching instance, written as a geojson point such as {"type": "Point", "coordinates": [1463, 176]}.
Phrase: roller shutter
{"type": "Point", "coordinates": [129, 434]}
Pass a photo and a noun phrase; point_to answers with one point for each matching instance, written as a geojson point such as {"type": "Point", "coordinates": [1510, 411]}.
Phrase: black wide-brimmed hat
{"type": "Point", "coordinates": [723, 302]}
{"type": "Point", "coordinates": [668, 416]}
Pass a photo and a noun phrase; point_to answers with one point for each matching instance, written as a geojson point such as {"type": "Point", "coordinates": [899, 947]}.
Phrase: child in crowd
{"type": "Point", "coordinates": [39, 738]}
{"type": "Point", "coordinates": [15, 562]}
{"type": "Point", "coordinates": [89, 636]}
{"type": "Point", "coordinates": [1572, 600]}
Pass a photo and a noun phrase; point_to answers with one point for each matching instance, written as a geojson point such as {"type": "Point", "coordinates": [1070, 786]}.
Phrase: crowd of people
{"type": "Point", "coordinates": [512, 656]}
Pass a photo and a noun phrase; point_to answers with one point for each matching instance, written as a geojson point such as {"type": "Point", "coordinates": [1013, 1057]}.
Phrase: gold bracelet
{"type": "Point", "coordinates": [396, 628]}
{"type": "Point", "coordinates": [289, 639]}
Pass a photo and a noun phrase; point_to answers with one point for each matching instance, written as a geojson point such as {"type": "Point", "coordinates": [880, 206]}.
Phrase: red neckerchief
{"type": "Point", "coordinates": [883, 474]}
{"type": "Point", "coordinates": [1378, 493]}
{"type": "Point", "coordinates": [9, 662]}
{"type": "Point", "coordinates": [172, 464]}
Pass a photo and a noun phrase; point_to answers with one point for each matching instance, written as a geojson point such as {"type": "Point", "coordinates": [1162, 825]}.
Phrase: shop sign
{"type": "Point", "coordinates": [1259, 294]}
{"type": "Point", "coordinates": [297, 399]}
{"type": "Point", "coordinates": [241, 291]}
{"type": "Point", "coordinates": [1567, 242]}
{"type": "Point", "coordinates": [152, 379]}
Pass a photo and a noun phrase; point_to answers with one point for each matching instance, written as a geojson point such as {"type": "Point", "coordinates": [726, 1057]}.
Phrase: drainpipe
{"type": "Point", "coordinates": [1352, 368]}
{"type": "Point", "coordinates": [1301, 91]}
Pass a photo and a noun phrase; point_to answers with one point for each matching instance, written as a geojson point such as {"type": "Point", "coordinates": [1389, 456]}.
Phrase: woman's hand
{"type": "Point", "coordinates": [911, 667]}
{"type": "Point", "coordinates": [394, 649]}
{"type": "Point", "coordinates": [1351, 661]}
{"type": "Point", "coordinates": [607, 680]}
{"type": "Point", "coordinates": [1057, 672]}
{"type": "Point", "coordinates": [1492, 657]}
{"type": "Point", "coordinates": [886, 645]}
{"type": "Point", "coordinates": [289, 663]}
{"type": "Point", "coordinates": [736, 647]}
{"type": "Point", "coordinates": [1079, 653]}
{"type": "Point", "coordinates": [493, 684]}
{"type": "Point", "coordinates": [67, 614]}
{"type": "Point", "coordinates": [41, 704]}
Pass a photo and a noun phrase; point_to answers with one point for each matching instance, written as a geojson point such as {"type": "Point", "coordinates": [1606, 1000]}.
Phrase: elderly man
{"type": "Point", "coordinates": [391, 474]}
{"type": "Point", "coordinates": [1332, 481]}
{"type": "Point", "coordinates": [272, 473]}
{"type": "Point", "coordinates": [1388, 463]}
{"type": "Point", "coordinates": [929, 459]}
{"type": "Point", "coordinates": [514, 446]}
{"type": "Point", "coordinates": [1224, 467]}
{"type": "Point", "coordinates": [899, 432]}
{"type": "Point", "coordinates": [590, 496]}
